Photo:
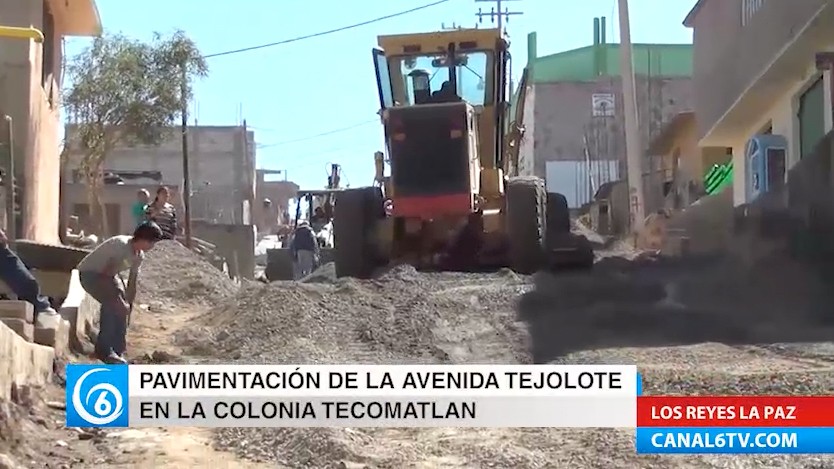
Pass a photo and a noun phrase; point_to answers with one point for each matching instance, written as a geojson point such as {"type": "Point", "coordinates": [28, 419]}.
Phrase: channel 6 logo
{"type": "Point", "coordinates": [97, 396]}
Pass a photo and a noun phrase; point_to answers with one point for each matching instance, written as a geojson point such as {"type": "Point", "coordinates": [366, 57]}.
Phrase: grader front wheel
{"type": "Point", "coordinates": [526, 200]}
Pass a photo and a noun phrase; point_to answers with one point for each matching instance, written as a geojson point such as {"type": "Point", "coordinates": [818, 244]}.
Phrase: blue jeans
{"type": "Point", "coordinates": [108, 291]}
{"type": "Point", "coordinates": [22, 283]}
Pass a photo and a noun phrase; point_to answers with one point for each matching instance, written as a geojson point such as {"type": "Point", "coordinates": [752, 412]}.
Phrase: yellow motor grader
{"type": "Point", "coordinates": [452, 198]}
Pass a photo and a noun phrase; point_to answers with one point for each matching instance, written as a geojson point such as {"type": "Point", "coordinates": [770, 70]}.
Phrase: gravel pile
{"type": "Point", "coordinates": [173, 273]}
{"type": "Point", "coordinates": [401, 317]}
{"type": "Point", "coordinates": [347, 321]}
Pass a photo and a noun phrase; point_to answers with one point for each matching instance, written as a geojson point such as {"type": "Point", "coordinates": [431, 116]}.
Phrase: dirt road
{"type": "Point", "coordinates": [655, 316]}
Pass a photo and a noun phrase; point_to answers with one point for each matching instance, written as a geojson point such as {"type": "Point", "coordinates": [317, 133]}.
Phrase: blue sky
{"type": "Point", "coordinates": [290, 92]}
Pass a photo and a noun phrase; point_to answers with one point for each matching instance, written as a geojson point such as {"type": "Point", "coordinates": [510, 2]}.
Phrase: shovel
{"type": "Point", "coordinates": [130, 294]}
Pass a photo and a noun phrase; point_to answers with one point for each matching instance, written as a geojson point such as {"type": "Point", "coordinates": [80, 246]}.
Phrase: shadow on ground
{"type": "Point", "coordinates": [656, 302]}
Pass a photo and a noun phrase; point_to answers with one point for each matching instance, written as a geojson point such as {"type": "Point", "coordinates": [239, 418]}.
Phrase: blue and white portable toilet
{"type": "Point", "coordinates": [764, 164]}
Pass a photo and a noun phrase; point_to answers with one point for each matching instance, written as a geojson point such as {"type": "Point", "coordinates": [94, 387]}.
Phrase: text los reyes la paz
{"type": "Point", "coordinates": [303, 410]}
{"type": "Point", "coordinates": [300, 379]}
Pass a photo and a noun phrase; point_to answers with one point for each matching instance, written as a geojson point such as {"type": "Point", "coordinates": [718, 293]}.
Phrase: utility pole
{"type": "Point", "coordinates": [11, 216]}
{"type": "Point", "coordinates": [250, 183]}
{"type": "Point", "coordinates": [634, 146]}
{"type": "Point", "coordinates": [496, 14]}
{"type": "Point", "coordinates": [186, 177]}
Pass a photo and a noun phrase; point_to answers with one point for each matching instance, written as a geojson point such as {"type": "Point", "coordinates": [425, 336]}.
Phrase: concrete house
{"type": "Point", "coordinates": [574, 114]}
{"type": "Point", "coordinates": [755, 73]}
{"type": "Point", "coordinates": [30, 84]}
{"type": "Point", "coordinates": [682, 163]}
{"type": "Point", "coordinates": [221, 167]}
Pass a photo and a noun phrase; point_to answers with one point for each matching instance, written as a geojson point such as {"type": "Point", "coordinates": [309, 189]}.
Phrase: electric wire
{"type": "Point", "coordinates": [327, 32]}
{"type": "Point", "coordinates": [319, 135]}
{"type": "Point", "coordinates": [311, 36]}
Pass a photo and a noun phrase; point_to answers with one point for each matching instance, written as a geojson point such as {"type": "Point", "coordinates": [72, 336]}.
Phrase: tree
{"type": "Point", "coordinates": [125, 92]}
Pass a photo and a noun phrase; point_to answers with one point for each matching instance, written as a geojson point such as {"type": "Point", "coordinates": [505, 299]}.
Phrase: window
{"type": "Point", "coordinates": [750, 8]}
{"type": "Point", "coordinates": [811, 116]}
{"type": "Point", "coordinates": [471, 73]}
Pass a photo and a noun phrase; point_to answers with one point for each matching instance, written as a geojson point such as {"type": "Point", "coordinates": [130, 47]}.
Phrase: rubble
{"type": "Point", "coordinates": [173, 273]}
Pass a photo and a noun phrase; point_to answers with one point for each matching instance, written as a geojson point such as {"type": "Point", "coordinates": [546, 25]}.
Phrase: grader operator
{"type": "Point", "coordinates": [453, 198]}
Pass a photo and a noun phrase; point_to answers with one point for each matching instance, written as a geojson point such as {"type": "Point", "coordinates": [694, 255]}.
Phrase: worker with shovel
{"type": "Point", "coordinates": [99, 276]}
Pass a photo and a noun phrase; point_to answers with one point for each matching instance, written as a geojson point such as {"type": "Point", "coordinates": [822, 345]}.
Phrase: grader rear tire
{"type": "Point", "coordinates": [526, 201]}
{"type": "Point", "coordinates": [355, 216]}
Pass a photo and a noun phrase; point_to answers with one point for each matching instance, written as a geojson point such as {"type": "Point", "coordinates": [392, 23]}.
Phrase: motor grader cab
{"type": "Point", "coordinates": [450, 199]}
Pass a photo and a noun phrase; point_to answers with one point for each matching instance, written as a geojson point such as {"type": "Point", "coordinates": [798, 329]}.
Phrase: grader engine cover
{"type": "Point", "coordinates": [429, 149]}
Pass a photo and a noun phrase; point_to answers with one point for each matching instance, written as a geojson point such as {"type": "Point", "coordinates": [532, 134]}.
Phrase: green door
{"type": "Point", "coordinates": [811, 118]}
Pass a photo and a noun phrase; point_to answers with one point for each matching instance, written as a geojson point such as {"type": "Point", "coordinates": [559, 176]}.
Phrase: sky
{"type": "Point", "coordinates": [313, 102]}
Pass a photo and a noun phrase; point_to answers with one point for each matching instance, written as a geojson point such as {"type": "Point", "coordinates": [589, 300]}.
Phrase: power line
{"type": "Point", "coordinates": [315, 158]}
{"type": "Point", "coordinates": [323, 134]}
{"type": "Point", "coordinates": [324, 33]}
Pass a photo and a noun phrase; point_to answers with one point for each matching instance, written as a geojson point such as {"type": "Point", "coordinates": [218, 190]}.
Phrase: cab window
{"type": "Point", "coordinates": [426, 77]}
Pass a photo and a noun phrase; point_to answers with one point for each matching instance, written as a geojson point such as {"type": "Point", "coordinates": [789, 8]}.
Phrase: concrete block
{"type": "Point", "coordinates": [21, 327]}
{"type": "Point", "coordinates": [22, 363]}
{"type": "Point", "coordinates": [13, 309]}
{"type": "Point", "coordinates": [81, 311]}
{"type": "Point", "coordinates": [55, 337]}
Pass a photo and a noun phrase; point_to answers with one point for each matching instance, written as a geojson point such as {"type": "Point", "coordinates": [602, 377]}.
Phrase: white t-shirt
{"type": "Point", "coordinates": [116, 252]}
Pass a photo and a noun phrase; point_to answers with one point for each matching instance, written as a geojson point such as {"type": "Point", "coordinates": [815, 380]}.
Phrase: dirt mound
{"type": "Point", "coordinates": [324, 274]}
{"type": "Point", "coordinates": [295, 447]}
{"type": "Point", "coordinates": [348, 321]}
{"type": "Point", "coordinates": [401, 317]}
{"type": "Point", "coordinates": [171, 272]}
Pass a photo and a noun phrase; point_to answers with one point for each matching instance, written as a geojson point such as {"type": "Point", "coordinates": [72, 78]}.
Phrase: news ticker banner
{"type": "Point", "coordinates": [352, 396]}
{"type": "Point", "coordinates": [735, 425]}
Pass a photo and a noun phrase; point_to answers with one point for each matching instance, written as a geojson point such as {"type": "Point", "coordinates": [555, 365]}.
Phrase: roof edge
{"type": "Point", "coordinates": [662, 143]}
{"type": "Point", "coordinates": [690, 17]}
{"type": "Point", "coordinates": [616, 44]}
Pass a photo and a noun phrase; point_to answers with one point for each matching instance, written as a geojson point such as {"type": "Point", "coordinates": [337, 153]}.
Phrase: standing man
{"type": "Point", "coordinates": [305, 249]}
{"type": "Point", "coordinates": [23, 284]}
{"type": "Point", "coordinates": [138, 210]}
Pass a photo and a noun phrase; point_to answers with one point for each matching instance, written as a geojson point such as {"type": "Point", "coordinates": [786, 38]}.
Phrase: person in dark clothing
{"type": "Point", "coordinates": [446, 94]}
{"type": "Point", "coordinates": [305, 249]}
{"type": "Point", "coordinates": [163, 213]}
{"type": "Point", "coordinates": [318, 220]}
{"type": "Point", "coordinates": [21, 282]}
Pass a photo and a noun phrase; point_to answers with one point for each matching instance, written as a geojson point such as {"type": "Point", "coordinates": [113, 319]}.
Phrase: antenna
{"type": "Point", "coordinates": [453, 27]}
{"type": "Point", "coordinates": [496, 13]}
